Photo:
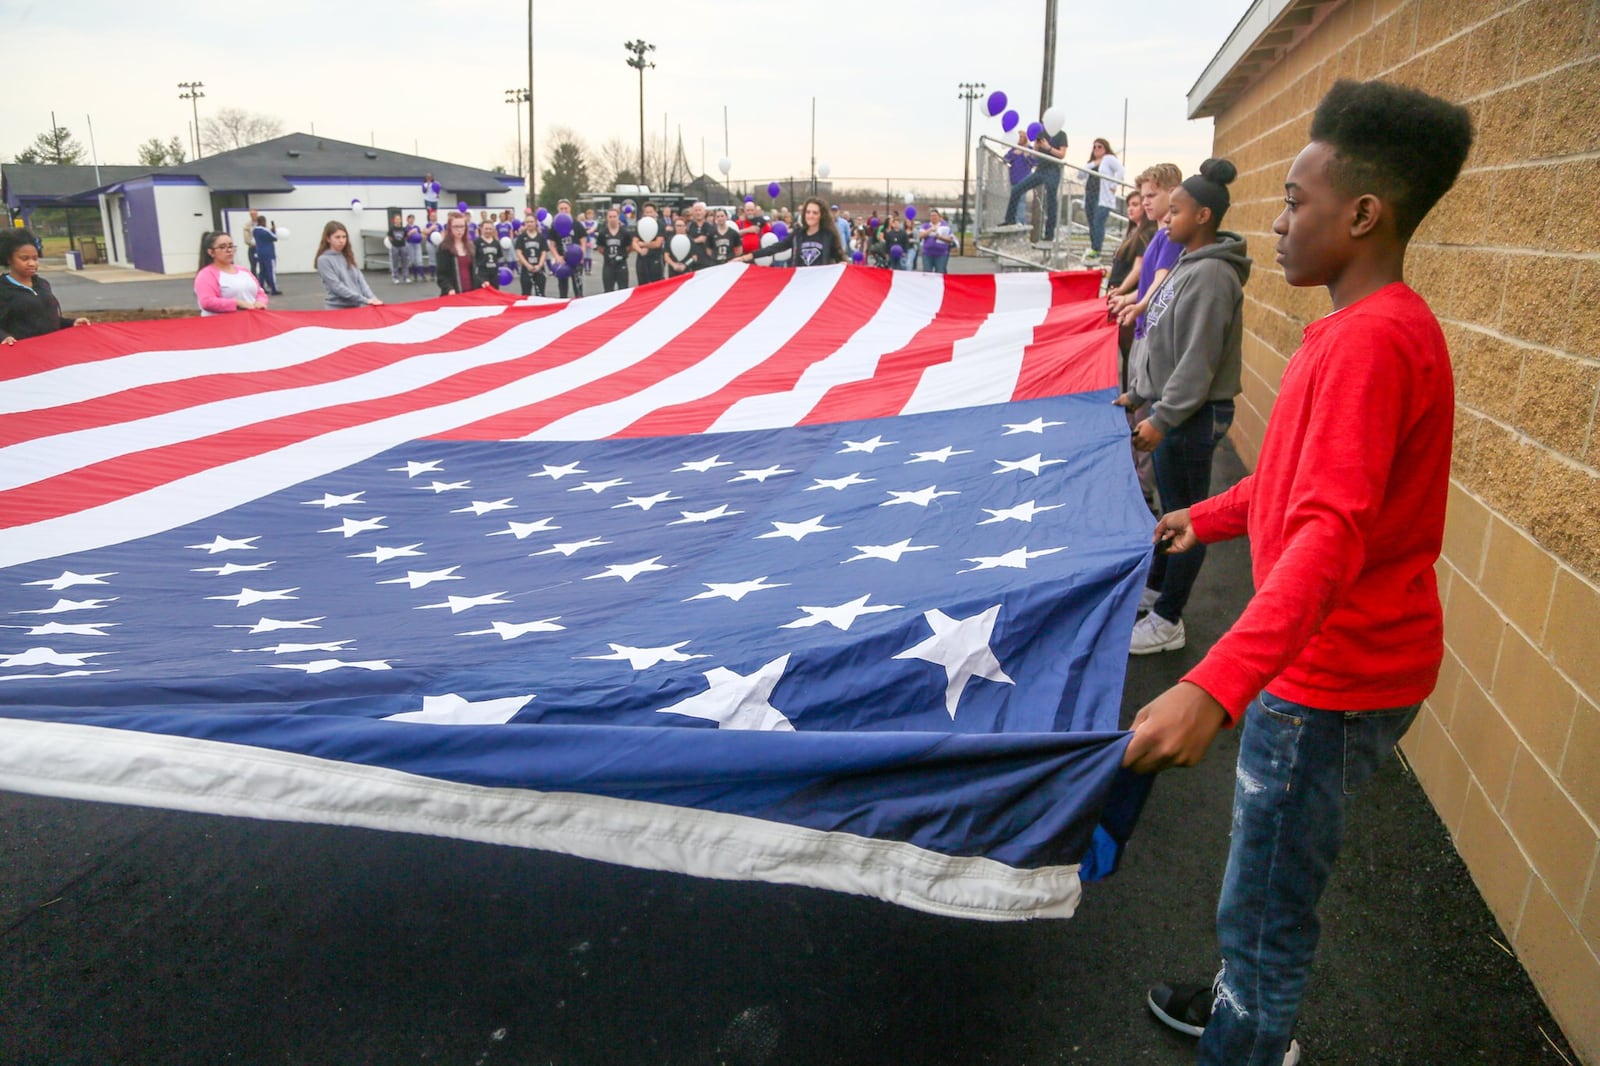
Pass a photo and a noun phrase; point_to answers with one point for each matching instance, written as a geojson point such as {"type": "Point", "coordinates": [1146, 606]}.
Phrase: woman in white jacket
{"type": "Point", "coordinates": [342, 280]}
{"type": "Point", "coordinates": [1105, 174]}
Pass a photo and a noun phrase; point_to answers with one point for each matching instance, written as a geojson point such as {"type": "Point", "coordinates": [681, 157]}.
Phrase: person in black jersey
{"type": "Point", "coordinates": [677, 266]}
{"type": "Point", "coordinates": [816, 243]}
{"type": "Point", "coordinates": [489, 257]}
{"type": "Point", "coordinates": [724, 243]}
{"type": "Point", "coordinates": [650, 262]}
{"type": "Point", "coordinates": [615, 241]}
{"type": "Point", "coordinates": [529, 247]}
{"type": "Point", "coordinates": [558, 251]}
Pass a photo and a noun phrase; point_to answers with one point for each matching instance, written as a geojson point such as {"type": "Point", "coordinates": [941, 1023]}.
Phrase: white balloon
{"type": "Point", "coordinates": [387, 243]}
{"type": "Point", "coordinates": [283, 231]}
{"type": "Point", "coordinates": [436, 238]}
{"type": "Point", "coordinates": [911, 198]}
{"type": "Point", "coordinates": [724, 164]}
{"type": "Point", "coordinates": [505, 242]}
{"type": "Point", "coordinates": [355, 207]}
{"type": "Point", "coordinates": [1052, 120]}
{"type": "Point", "coordinates": [768, 239]}
{"type": "Point", "coordinates": [823, 170]}
{"type": "Point", "coordinates": [680, 247]}
{"type": "Point", "coordinates": [649, 227]}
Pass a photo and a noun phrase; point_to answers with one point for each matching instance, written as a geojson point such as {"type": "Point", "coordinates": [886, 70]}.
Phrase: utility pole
{"type": "Point", "coordinates": [813, 146]}
{"type": "Point", "coordinates": [516, 98]}
{"type": "Point", "coordinates": [191, 92]}
{"type": "Point", "coordinates": [638, 62]}
{"type": "Point", "coordinates": [533, 151]}
{"type": "Point", "coordinates": [970, 91]}
{"type": "Point", "coordinates": [1047, 81]}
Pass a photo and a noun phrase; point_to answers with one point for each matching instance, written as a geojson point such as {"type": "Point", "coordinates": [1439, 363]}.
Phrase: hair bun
{"type": "Point", "coordinates": [1220, 171]}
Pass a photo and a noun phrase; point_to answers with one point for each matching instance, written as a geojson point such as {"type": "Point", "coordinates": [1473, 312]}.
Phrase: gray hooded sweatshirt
{"type": "Point", "coordinates": [1194, 328]}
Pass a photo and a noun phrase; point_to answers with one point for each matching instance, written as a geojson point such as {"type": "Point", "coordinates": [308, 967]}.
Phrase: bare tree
{"type": "Point", "coordinates": [613, 162]}
{"type": "Point", "coordinates": [234, 127]}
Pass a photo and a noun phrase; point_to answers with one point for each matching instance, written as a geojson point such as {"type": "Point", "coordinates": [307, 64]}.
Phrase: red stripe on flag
{"type": "Point", "coordinates": [1074, 350]}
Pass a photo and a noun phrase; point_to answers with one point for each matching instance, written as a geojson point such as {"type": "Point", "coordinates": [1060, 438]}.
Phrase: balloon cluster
{"type": "Point", "coordinates": [1050, 123]}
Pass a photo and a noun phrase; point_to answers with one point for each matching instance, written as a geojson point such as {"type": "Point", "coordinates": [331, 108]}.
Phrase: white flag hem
{"type": "Point", "coordinates": [93, 763]}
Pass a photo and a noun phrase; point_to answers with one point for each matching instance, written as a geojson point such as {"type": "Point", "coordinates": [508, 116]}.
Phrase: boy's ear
{"type": "Point", "coordinates": [1369, 210]}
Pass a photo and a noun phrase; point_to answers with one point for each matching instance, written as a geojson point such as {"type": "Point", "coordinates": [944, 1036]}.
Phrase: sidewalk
{"type": "Point", "coordinates": [163, 937]}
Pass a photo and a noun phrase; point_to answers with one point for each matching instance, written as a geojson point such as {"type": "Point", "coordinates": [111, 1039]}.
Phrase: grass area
{"type": "Point", "coordinates": [56, 246]}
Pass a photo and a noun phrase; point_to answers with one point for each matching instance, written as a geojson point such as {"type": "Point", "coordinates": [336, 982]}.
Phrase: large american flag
{"type": "Point", "coordinates": [819, 576]}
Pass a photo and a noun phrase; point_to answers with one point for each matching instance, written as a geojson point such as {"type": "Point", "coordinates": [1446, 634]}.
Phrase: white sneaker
{"type": "Point", "coordinates": [1152, 633]}
{"type": "Point", "coordinates": [1292, 1056]}
{"type": "Point", "coordinates": [1147, 600]}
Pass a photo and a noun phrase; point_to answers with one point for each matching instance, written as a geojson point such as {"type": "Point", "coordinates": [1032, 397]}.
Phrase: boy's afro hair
{"type": "Point", "coordinates": [1395, 141]}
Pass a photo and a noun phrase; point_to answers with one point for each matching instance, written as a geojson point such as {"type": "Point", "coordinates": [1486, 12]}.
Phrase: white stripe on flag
{"type": "Point", "coordinates": [984, 367]}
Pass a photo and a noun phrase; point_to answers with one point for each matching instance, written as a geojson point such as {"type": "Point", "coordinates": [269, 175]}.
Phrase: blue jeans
{"type": "Point", "coordinates": [1183, 478]}
{"type": "Point", "coordinates": [1299, 768]}
{"type": "Point", "coordinates": [936, 264]}
{"type": "Point", "coordinates": [1097, 224]}
{"type": "Point", "coordinates": [1048, 177]}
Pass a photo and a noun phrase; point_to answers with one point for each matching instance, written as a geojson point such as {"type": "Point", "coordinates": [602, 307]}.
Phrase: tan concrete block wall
{"type": "Point", "coordinates": [1508, 746]}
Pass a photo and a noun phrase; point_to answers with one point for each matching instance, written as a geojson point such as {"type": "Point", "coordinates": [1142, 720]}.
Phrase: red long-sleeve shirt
{"type": "Point", "coordinates": [1345, 513]}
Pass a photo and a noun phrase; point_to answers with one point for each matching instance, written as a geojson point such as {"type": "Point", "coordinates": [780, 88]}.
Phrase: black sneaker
{"type": "Point", "coordinates": [1185, 1008]}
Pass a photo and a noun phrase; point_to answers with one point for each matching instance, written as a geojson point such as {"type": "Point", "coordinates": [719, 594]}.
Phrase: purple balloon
{"type": "Point", "coordinates": [562, 224]}
{"type": "Point", "coordinates": [504, 277]}
{"type": "Point", "coordinates": [911, 213]}
{"type": "Point", "coordinates": [1035, 129]}
{"type": "Point", "coordinates": [1009, 120]}
{"type": "Point", "coordinates": [997, 103]}
{"type": "Point", "coordinates": [516, 224]}
{"type": "Point", "coordinates": [780, 230]}
{"type": "Point", "coordinates": [896, 252]}
{"type": "Point", "coordinates": [461, 205]}
{"type": "Point", "coordinates": [435, 188]}
{"type": "Point", "coordinates": [574, 255]}
{"type": "Point", "coordinates": [749, 199]}
{"type": "Point", "coordinates": [413, 236]}
{"type": "Point", "coordinates": [873, 222]}
{"type": "Point", "coordinates": [858, 255]}
{"type": "Point", "coordinates": [561, 270]}
{"type": "Point", "coordinates": [541, 214]}
{"type": "Point", "coordinates": [773, 190]}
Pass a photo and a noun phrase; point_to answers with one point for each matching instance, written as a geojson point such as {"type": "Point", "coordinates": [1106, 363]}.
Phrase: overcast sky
{"type": "Point", "coordinates": [412, 73]}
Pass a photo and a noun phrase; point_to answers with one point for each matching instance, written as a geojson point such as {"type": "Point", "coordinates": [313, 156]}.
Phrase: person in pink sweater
{"type": "Point", "coordinates": [222, 286]}
{"type": "Point", "coordinates": [1345, 513]}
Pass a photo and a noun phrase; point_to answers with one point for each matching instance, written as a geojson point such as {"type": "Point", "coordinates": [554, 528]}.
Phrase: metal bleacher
{"type": "Point", "coordinates": [1022, 247]}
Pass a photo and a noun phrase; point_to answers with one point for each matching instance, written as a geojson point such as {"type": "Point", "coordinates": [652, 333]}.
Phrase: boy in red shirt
{"type": "Point", "coordinates": [1345, 513]}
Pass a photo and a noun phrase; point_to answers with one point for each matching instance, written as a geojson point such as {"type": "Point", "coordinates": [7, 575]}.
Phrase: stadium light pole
{"type": "Point", "coordinates": [191, 92]}
{"type": "Point", "coordinates": [516, 98]}
{"type": "Point", "coordinates": [533, 151]}
{"type": "Point", "coordinates": [638, 62]}
{"type": "Point", "coordinates": [970, 91]}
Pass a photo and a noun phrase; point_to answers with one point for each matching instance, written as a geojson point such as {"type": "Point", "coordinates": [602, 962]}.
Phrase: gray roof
{"type": "Point", "coordinates": [273, 166]}
{"type": "Point", "coordinates": [50, 181]}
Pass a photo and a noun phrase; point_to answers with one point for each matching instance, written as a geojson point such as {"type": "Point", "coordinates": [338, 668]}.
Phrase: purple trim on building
{"type": "Point", "coordinates": [143, 229]}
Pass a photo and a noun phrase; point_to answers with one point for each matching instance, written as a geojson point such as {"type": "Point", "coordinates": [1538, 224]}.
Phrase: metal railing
{"type": "Point", "coordinates": [1021, 246]}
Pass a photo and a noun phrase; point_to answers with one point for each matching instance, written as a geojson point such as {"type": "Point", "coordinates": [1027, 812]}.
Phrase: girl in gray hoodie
{"type": "Point", "coordinates": [1189, 374]}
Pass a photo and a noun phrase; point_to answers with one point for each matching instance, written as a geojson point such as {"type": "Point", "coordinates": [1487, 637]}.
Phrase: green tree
{"type": "Point", "coordinates": [566, 176]}
{"type": "Point", "coordinates": [156, 153]}
{"type": "Point", "coordinates": [53, 146]}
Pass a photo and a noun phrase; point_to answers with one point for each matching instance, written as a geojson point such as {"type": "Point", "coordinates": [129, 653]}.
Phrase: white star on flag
{"type": "Point", "coordinates": [796, 530]}
{"type": "Point", "coordinates": [597, 487]}
{"type": "Point", "coordinates": [457, 604]}
{"type": "Point", "coordinates": [738, 701]}
{"type": "Point", "coordinates": [483, 507]}
{"type": "Point", "coordinates": [521, 530]}
{"type": "Point", "coordinates": [322, 666]}
{"type": "Point", "coordinates": [412, 469]}
{"type": "Point", "coordinates": [63, 606]}
{"type": "Point", "coordinates": [556, 473]}
{"type": "Point", "coordinates": [868, 446]}
{"type": "Point", "coordinates": [1032, 464]}
{"type": "Point", "coordinates": [272, 625]}
{"type": "Point", "coordinates": [701, 466]}
{"type": "Point", "coordinates": [891, 552]}
{"type": "Point", "coordinates": [1038, 425]}
{"type": "Point", "coordinates": [223, 544]}
{"type": "Point", "coordinates": [629, 571]}
{"type": "Point", "coordinates": [760, 475]}
{"type": "Point", "coordinates": [451, 709]}
{"type": "Point", "coordinates": [840, 617]}
{"type": "Point", "coordinates": [445, 486]}
{"type": "Point", "coordinates": [422, 578]}
{"type": "Point", "coordinates": [840, 483]}
{"type": "Point", "coordinates": [68, 579]}
{"type": "Point", "coordinates": [719, 511]}
{"type": "Point", "coordinates": [921, 497]}
{"type": "Point", "coordinates": [299, 649]}
{"type": "Point", "coordinates": [64, 673]}
{"type": "Point", "coordinates": [1016, 559]}
{"type": "Point", "coordinates": [734, 590]}
{"type": "Point", "coordinates": [229, 569]}
{"type": "Point", "coordinates": [940, 456]}
{"type": "Point", "coordinates": [48, 657]}
{"type": "Point", "coordinates": [1022, 512]}
{"type": "Point", "coordinates": [383, 555]}
{"type": "Point", "coordinates": [513, 630]}
{"type": "Point", "coordinates": [573, 546]}
{"type": "Point", "coordinates": [351, 526]}
{"type": "Point", "coordinates": [245, 597]}
{"type": "Point", "coordinates": [80, 629]}
{"type": "Point", "coordinates": [644, 658]}
{"type": "Point", "coordinates": [330, 500]}
{"type": "Point", "coordinates": [961, 646]}
{"type": "Point", "coordinates": [644, 503]}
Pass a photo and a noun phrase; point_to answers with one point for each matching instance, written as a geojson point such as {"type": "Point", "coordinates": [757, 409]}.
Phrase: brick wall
{"type": "Point", "coordinates": [1508, 747]}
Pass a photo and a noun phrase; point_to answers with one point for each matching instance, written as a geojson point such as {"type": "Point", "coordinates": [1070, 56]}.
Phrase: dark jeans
{"type": "Point", "coordinates": [1183, 479]}
{"type": "Point", "coordinates": [1097, 225]}
{"type": "Point", "coordinates": [614, 275]}
{"type": "Point", "coordinates": [1298, 770]}
{"type": "Point", "coordinates": [1049, 178]}
{"type": "Point", "coordinates": [268, 274]}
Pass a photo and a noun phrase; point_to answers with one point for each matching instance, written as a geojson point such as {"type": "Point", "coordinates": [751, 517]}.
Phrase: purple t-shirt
{"type": "Point", "coordinates": [1021, 165]}
{"type": "Point", "coordinates": [1160, 255]}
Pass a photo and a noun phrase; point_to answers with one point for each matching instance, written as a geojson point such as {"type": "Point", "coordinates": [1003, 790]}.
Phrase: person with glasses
{"type": "Point", "coordinates": [222, 286]}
